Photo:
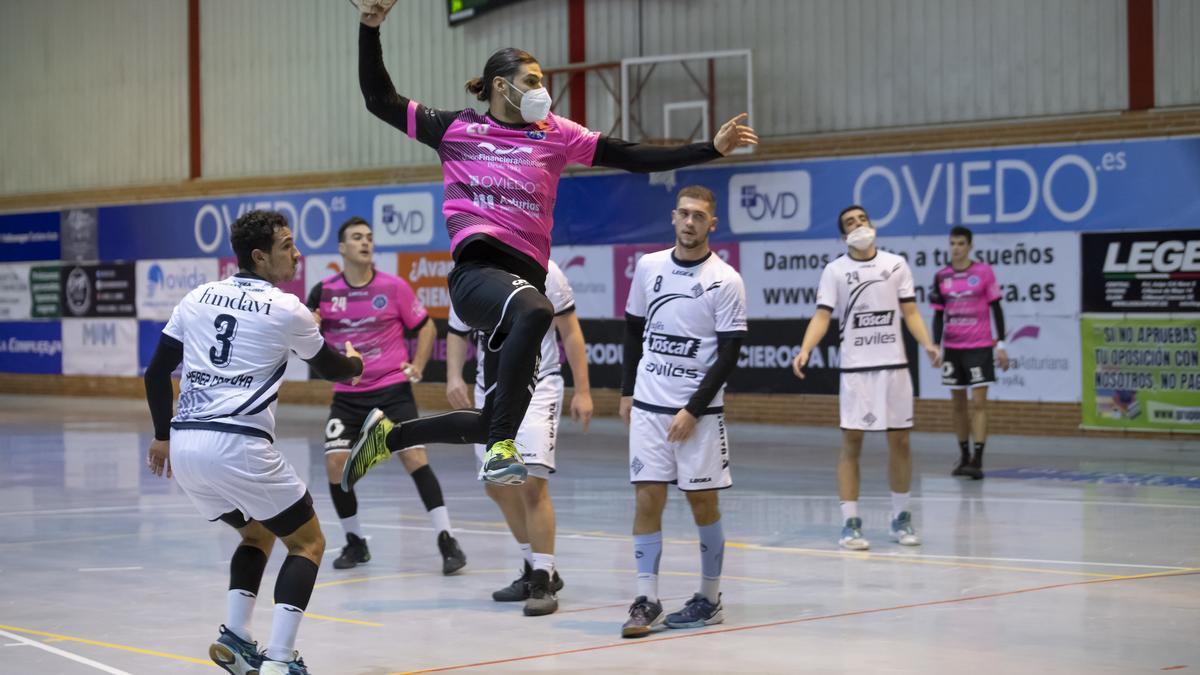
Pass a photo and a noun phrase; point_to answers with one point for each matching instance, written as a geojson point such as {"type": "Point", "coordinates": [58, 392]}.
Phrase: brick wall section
{"type": "Point", "coordinates": [1018, 418]}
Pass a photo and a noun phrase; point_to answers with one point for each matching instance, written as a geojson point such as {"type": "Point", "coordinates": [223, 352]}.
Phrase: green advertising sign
{"type": "Point", "coordinates": [1141, 373]}
{"type": "Point", "coordinates": [45, 287]}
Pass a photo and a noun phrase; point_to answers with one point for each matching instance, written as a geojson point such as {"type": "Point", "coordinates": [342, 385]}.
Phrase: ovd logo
{"type": "Point", "coordinates": [771, 201]}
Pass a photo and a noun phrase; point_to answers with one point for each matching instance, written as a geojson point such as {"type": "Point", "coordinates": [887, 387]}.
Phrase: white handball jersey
{"type": "Point", "coordinates": [236, 335]}
{"type": "Point", "coordinates": [865, 296]}
{"type": "Point", "coordinates": [687, 306]}
{"type": "Point", "coordinates": [558, 291]}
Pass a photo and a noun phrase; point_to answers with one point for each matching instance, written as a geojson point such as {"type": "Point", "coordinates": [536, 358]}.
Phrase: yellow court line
{"type": "Point", "coordinates": [322, 617]}
{"type": "Point", "coordinates": [109, 645]}
{"type": "Point", "coordinates": [912, 560]}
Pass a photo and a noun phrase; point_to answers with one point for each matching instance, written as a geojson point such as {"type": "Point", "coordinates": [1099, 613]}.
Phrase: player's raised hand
{"type": "Point", "coordinates": [373, 12]}
{"type": "Point", "coordinates": [159, 457]}
{"type": "Point", "coordinates": [799, 362]}
{"type": "Point", "coordinates": [351, 352]}
{"type": "Point", "coordinates": [734, 134]}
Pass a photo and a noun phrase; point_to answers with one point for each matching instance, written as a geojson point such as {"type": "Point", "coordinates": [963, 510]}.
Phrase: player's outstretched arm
{"type": "Point", "coordinates": [330, 365]}
{"type": "Point", "coordinates": [615, 153]}
{"type": "Point", "coordinates": [817, 327]}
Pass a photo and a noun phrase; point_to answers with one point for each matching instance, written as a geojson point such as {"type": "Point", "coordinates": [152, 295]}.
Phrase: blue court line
{"type": "Point", "coordinates": [1099, 477]}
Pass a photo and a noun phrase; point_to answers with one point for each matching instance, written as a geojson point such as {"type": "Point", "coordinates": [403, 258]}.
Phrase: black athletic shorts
{"type": "Point", "coordinates": [482, 294]}
{"type": "Point", "coordinates": [968, 367]}
{"type": "Point", "coordinates": [349, 410]}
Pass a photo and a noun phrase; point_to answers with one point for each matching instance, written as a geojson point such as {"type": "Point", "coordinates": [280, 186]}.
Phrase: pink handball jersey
{"type": "Point", "coordinates": [500, 180]}
{"type": "Point", "coordinates": [966, 297]}
{"type": "Point", "coordinates": [373, 318]}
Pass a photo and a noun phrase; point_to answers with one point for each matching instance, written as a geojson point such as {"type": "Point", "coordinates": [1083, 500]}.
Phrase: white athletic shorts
{"type": "Point", "coordinates": [876, 400]}
{"type": "Point", "coordinates": [222, 472]}
{"type": "Point", "coordinates": [699, 463]}
{"type": "Point", "coordinates": [538, 432]}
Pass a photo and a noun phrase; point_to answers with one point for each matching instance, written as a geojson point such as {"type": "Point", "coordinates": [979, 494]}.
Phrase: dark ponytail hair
{"type": "Point", "coordinates": [504, 63]}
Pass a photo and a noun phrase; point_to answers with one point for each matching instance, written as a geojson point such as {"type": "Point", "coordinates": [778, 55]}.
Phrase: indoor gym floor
{"type": "Point", "coordinates": [1074, 556]}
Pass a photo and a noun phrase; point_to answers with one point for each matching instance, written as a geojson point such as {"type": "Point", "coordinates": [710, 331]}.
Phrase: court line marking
{"type": "Point", "coordinates": [104, 537]}
{"type": "Point", "coordinates": [913, 558]}
{"type": "Point", "coordinates": [64, 653]}
{"type": "Point", "coordinates": [806, 619]}
{"type": "Point", "coordinates": [356, 622]}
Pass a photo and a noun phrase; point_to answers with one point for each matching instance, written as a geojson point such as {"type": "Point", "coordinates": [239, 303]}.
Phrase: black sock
{"type": "Point", "coordinates": [965, 448]}
{"type": "Point", "coordinates": [428, 487]}
{"type": "Point", "coordinates": [246, 568]}
{"type": "Point", "coordinates": [345, 503]}
{"type": "Point", "coordinates": [978, 453]}
{"type": "Point", "coordinates": [294, 585]}
{"type": "Point", "coordinates": [458, 426]}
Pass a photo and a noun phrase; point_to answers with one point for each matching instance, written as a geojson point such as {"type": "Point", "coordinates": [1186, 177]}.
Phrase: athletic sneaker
{"type": "Point", "coordinates": [974, 468]}
{"type": "Point", "coordinates": [541, 600]}
{"type": "Point", "coordinates": [518, 590]}
{"type": "Point", "coordinates": [234, 654]}
{"type": "Point", "coordinates": [294, 667]}
{"type": "Point", "coordinates": [370, 448]}
{"type": "Point", "coordinates": [503, 465]}
{"type": "Point", "coordinates": [644, 615]}
{"type": "Point", "coordinates": [354, 553]}
{"type": "Point", "coordinates": [453, 558]}
{"type": "Point", "coordinates": [902, 530]}
{"type": "Point", "coordinates": [960, 468]}
{"type": "Point", "coordinates": [697, 612]}
{"type": "Point", "coordinates": [852, 536]}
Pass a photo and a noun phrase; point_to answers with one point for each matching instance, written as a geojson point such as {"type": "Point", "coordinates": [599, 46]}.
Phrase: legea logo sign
{"type": "Point", "coordinates": [775, 201]}
{"type": "Point", "coordinates": [403, 219]}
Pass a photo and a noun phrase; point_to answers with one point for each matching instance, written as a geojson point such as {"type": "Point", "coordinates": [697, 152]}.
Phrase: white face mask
{"type": "Point", "coordinates": [535, 104]}
{"type": "Point", "coordinates": [861, 238]}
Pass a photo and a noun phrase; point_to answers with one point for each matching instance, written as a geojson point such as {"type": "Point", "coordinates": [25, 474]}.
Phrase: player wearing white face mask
{"type": "Point", "coordinates": [873, 290]}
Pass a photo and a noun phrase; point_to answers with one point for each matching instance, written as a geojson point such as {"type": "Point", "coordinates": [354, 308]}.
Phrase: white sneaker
{"type": "Point", "coordinates": [852, 536]}
{"type": "Point", "coordinates": [902, 530]}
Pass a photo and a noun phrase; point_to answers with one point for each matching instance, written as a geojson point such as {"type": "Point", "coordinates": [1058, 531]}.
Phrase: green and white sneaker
{"type": "Point", "coordinates": [902, 530]}
{"type": "Point", "coordinates": [503, 465]}
{"type": "Point", "coordinates": [369, 449]}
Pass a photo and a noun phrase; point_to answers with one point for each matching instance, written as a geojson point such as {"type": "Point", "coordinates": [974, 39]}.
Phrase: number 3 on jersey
{"type": "Point", "coordinates": [226, 330]}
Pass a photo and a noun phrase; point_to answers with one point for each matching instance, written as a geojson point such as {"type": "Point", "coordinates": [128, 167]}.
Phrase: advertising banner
{"type": "Point", "coordinates": [426, 273]}
{"type": "Point", "coordinates": [78, 235]}
{"type": "Point", "coordinates": [29, 236]}
{"type": "Point", "coordinates": [161, 284]}
{"type": "Point", "coordinates": [1141, 373]}
{"type": "Point", "coordinates": [589, 269]}
{"type": "Point", "coordinates": [100, 346]}
{"type": "Point", "coordinates": [45, 288]}
{"type": "Point", "coordinates": [1156, 271]}
{"type": "Point", "coordinates": [31, 347]}
{"type": "Point", "coordinates": [16, 300]}
{"type": "Point", "coordinates": [1044, 362]}
{"type": "Point", "coordinates": [99, 290]}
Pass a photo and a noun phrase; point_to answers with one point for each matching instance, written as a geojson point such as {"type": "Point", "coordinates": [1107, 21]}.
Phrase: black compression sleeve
{"type": "Point", "coordinates": [618, 154]}
{"type": "Point", "coordinates": [159, 396]}
{"type": "Point", "coordinates": [998, 319]}
{"type": "Point", "coordinates": [939, 322]}
{"type": "Point", "coordinates": [331, 365]}
{"type": "Point", "coordinates": [634, 327]}
{"type": "Point", "coordinates": [382, 100]}
{"type": "Point", "coordinates": [314, 297]}
{"type": "Point", "coordinates": [718, 373]}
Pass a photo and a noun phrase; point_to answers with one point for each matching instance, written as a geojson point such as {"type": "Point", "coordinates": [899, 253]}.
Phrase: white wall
{"type": "Point", "coordinates": [94, 94]}
{"type": "Point", "coordinates": [1176, 52]}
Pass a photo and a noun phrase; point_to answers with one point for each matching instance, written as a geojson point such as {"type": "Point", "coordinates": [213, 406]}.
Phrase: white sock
{"type": "Point", "coordinates": [350, 526]}
{"type": "Point", "coordinates": [544, 561]}
{"type": "Point", "coordinates": [440, 518]}
{"type": "Point", "coordinates": [647, 585]}
{"type": "Point", "coordinates": [711, 588]}
{"type": "Point", "coordinates": [849, 510]}
{"type": "Point", "coordinates": [240, 605]}
{"type": "Point", "coordinates": [899, 503]}
{"type": "Point", "coordinates": [526, 553]}
{"type": "Point", "coordinates": [283, 632]}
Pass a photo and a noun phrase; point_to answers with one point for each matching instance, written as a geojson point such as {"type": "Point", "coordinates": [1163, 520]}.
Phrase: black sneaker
{"type": "Point", "coordinates": [974, 468]}
{"type": "Point", "coordinates": [453, 558]}
{"type": "Point", "coordinates": [644, 616]}
{"type": "Point", "coordinates": [541, 600]}
{"type": "Point", "coordinates": [960, 468]}
{"type": "Point", "coordinates": [518, 590]}
{"type": "Point", "coordinates": [354, 553]}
